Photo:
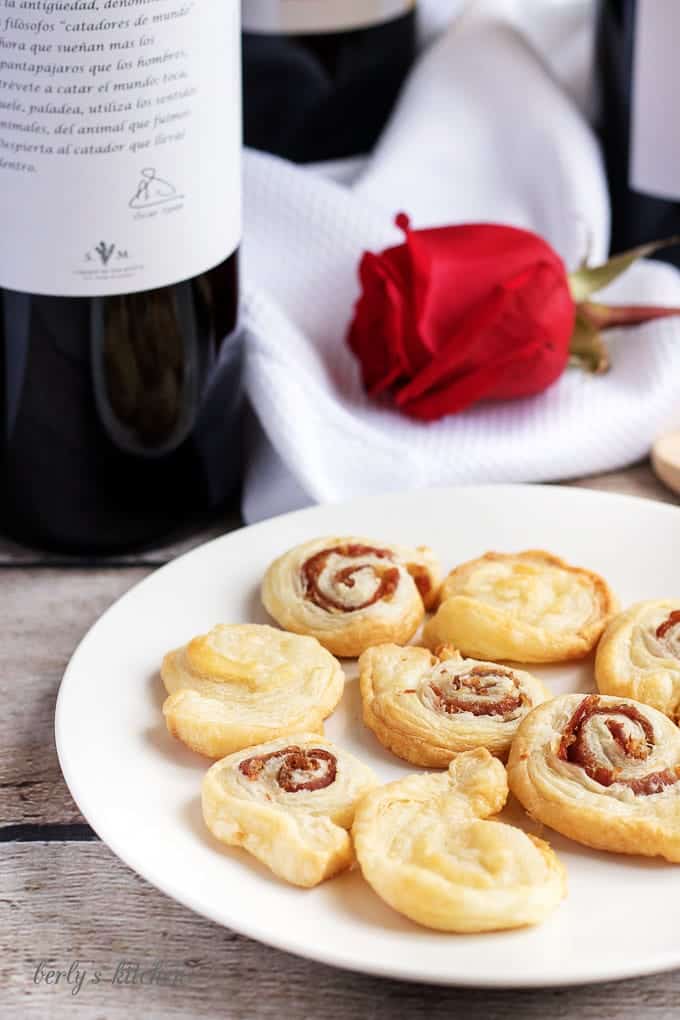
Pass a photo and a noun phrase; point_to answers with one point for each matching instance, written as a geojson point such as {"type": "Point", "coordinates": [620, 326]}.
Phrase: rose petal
{"type": "Point", "coordinates": [504, 347]}
{"type": "Point", "coordinates": [457, 267]}
{"type": "Point", "coordinates": [453, 396]}
{"type": "Point", "coordinates": [452, 358]}
{"type": "Point", "coordinates": [376, 333]}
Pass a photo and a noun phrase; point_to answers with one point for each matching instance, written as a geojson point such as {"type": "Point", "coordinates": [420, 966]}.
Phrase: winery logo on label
{"type": "Point", "coordinates": [106, 261]}
{"type": "Point", "coordinates": [153, 190]}
{"type": "Point", "coordinates": [105, 253]}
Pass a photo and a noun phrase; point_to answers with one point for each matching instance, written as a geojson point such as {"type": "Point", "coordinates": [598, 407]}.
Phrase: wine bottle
{"type": "Point", "coordinates": [321, 77]}
{"type": "Point", "coordinates": [639, 75]}
{"type": "Point", "coordinates": [120, 205]}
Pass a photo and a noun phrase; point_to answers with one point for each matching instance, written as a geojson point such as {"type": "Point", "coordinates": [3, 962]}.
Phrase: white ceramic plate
{"type": "Point", "coordinates": [139, 789]}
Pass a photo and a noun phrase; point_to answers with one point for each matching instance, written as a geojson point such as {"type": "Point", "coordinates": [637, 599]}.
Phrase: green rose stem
{"type": "Point", "coordinates": [588, 349]}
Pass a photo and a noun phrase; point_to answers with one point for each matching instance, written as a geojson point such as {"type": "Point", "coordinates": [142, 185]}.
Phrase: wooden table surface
{"type": "Point", "coordinates": [66, 900]}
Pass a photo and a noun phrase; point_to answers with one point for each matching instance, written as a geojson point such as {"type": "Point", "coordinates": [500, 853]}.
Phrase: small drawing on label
{"type": "Point", "coordinates": [152, 190]}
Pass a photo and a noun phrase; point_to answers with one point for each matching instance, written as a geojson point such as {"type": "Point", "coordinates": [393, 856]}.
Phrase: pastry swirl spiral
{"type": "Point", "coordinates": [525, 607]}
{"type": "Point", "coordinates": [425, 847]}
{"type": "Point", "coordinates": [290, 803]}
{"type": "Point", "coordinates": [426, 707]}
{"type": "Point", "coordinates": [604, 771]}
{"type": "Point", "coordinates": [244, 684]}
{"type": "Point", "coordinates": [294, 768]}
{"type": "Point", "coordinates": [639, 656]}
{"type": "Point", "coordinates": [350, 592]}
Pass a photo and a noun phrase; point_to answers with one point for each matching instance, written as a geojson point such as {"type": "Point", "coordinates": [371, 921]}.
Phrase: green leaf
{"type": "Point", "coordinates": [589, 280]}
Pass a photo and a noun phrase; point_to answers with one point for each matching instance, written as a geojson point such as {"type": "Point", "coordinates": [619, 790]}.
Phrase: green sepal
{"type": "Point", "coordinates": [588, 350]}
{"type": "Point", "coordinates": [588, 280]}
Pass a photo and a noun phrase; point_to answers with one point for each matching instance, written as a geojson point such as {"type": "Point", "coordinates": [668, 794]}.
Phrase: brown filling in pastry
{"type": "Point", "coordinates": [387, 576]}
{"type": "Point", "coordinates": [672, 621]}
{"type": "Point", "coordinates": [320, 766]}
{"type": "Point", "coordinates": [484, 682]}
{"type": "Point", "coordinates": [575, 747]}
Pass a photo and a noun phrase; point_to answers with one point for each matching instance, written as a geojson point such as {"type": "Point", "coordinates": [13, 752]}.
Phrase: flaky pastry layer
{"type": "Point", "coordinates": [427, 707]}
{"type": "Point", "coordinates": [524, 607]}
{"type": "Point", "coordinates": [289, 803]}
{"type": "Point", "coordinates": [351, 592]}
{"type": "Point", "coordinates": [604, 771]}
{"type": "Point", "coordinates": [243, 684]}
{"type": "Point", "coordinates": [425, 846]}
{"type": "Point", "coordinates": [639, 656]}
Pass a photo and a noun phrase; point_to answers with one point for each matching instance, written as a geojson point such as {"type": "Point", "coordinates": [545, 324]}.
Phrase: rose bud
{"type": "Point", "coordinates": [477, 312]}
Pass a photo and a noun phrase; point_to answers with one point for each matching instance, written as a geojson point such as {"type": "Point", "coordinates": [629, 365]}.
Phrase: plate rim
{"type": "Point", "coordinates": [551, 978]}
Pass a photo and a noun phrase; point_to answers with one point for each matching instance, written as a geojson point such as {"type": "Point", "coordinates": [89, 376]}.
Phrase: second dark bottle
{"type": "Point", "coordinates": [321, 76]}
{"type": "Point", "coordinates": [639, 76]}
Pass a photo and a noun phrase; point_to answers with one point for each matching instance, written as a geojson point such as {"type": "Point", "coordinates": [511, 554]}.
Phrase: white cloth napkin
{"type": "Point", "coordinates": [487, 130]}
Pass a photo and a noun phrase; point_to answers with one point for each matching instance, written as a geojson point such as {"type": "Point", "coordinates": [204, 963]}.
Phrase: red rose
{"type": "Point", "coordinates": [460, 314]}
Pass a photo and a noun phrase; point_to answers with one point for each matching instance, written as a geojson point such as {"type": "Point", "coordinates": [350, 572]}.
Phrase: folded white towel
{"type": "Point", "coordinates": [484, 131]}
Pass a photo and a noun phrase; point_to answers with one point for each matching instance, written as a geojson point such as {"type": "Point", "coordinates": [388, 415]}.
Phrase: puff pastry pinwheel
{"type": "Point", "coordinates": [243, 684]}
{"type": "Point", "coordinates": [639, 656]}
{"type": "Point", "coordinates": [290, 803]}
{"type": "Point", "coordinates": [424, 846]}
{"type": "Point", "coordinates": [351, 593]}
{"type": "Point", "coordinates": [604, 771]}
{"type": "Point", "coordinates": [427, 707]}
{"type": "Point", "coordinates": [526, 607]}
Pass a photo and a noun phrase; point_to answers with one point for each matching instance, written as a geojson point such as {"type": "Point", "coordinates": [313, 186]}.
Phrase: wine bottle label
{"type": "Point", "coordinates": [292, 16]}
{"type": "Point", "coordinates": [655, 122]}
{"type": "Point", "coordinates": [120, 132]}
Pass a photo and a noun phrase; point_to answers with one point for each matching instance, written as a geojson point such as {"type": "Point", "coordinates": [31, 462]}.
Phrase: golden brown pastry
{"type": "Point", "coordinates": [351, 593]}
{"type": "Point", "coordinates": [525, 607]}
{"type": "Point", "coordinates": [243, 684]}
{"type": "Point", "coordinates": [639, 656]}
{"type": "Point", "coordinates": [604, 771]}
{"type": "Point", "coordinates": [427, 707]}
{"type": "Point", "coordinates": [289, 803]}
{"type": "Point", "coordinates": [423, 845]}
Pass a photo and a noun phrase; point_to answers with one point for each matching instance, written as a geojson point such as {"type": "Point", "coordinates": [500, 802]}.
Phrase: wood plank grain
{"type": "Point", "coordinates": [67, 903]}
{"type": "Point", "coordinates": [639, 480]}
{"type": "Point", "coordinates": [45, 612]}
